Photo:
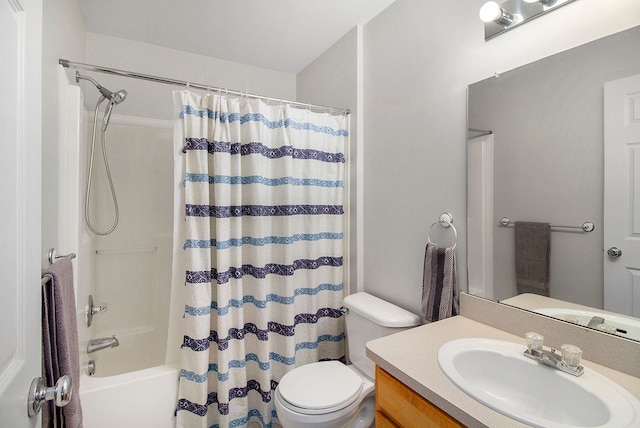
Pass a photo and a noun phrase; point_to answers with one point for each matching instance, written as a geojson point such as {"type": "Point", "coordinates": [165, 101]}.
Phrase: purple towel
{"type": "Point", "coordinates": [60, 343]}
{"type": "Point", "coordinates": [439, 289]}
{"type": "Point", "coordinates": [533, 243]}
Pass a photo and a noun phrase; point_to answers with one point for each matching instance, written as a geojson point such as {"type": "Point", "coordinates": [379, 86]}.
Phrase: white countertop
{"type": "Point", "coordinates": [533, 302]}
{"type": "Point", "coordinates": [411, 356]}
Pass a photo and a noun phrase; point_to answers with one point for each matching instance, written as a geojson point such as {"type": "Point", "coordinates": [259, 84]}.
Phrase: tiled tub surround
{"type": "Point", "coordinates": [412, 356]}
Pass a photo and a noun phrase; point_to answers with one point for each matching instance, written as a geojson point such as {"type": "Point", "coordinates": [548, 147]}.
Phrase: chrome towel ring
{"type": "Point", "coordinates": [446, 221]}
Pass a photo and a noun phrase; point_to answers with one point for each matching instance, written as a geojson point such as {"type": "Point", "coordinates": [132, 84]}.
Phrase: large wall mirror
{"type": "Point", "coordinates": [536, 153]}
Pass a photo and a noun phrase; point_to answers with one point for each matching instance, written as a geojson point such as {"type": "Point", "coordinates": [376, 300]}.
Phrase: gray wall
{"type": "Point", "coordinates": [153, 100]}
{"type": "Point", "coordinates": [332, 80]}
{"type": "Point", "coordinates": [547, 119]}
{"type": "Point", "coordinates": [419, 57]}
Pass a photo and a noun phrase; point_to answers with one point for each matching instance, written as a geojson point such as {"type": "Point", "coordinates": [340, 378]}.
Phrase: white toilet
{"type": "Point", "coordinates": [330, 394]}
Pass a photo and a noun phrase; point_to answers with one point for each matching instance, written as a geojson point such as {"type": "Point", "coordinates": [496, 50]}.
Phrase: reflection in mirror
{"type": "Point", "coordinates": [544, 162]}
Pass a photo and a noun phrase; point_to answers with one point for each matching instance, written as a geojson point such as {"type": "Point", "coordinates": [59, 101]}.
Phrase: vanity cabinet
{"type": "Point", "coordinates": [399, 406]}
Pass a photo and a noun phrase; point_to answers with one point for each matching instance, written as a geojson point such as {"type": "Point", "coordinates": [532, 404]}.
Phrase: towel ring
{"type": "Point", "coordinates": [446, 221]}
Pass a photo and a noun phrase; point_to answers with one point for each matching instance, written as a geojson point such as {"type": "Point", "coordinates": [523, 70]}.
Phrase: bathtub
{"type": "Point", "coordinates": [143, 398]}
{"type": "Point", "coordinates": [130, 271]}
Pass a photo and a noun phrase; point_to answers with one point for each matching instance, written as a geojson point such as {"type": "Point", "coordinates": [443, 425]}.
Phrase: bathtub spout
{"type": "Point", "coordinates": [97, 344]}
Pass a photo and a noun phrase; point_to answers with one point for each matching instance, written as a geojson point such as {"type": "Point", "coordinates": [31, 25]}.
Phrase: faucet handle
{"type": "Point", "coordinates": [571, 355]}
{"type": "Point", "coordinates": [534, 341]}
{"type": "Point", "coordinates": [90, 310]}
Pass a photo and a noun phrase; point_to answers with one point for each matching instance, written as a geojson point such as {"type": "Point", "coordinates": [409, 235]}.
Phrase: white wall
{"type": "Point", "coordinates": [63, 36]}
{"type": "Point", "coordinates": [419, 58]}
{"type": "Point", "coordinates": [154, 100]}
{"type": "Point", "coordinates": [333, 80]}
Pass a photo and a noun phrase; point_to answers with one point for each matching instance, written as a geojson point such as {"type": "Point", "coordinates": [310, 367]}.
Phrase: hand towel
{"type": "Point", "coordinates": [532, 257]}
{"type": "Point", "coordinates": [60, 343]}
{"type": "Point", "coordinates": [439, 289]}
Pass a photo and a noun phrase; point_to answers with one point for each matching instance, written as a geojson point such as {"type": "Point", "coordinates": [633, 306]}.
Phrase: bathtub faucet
{"type": "Point", "coordinates": [97, 344]}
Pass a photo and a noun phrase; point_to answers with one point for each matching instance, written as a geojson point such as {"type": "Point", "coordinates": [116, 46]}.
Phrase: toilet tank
{"type": "Point", "coordinates": [369, 317]}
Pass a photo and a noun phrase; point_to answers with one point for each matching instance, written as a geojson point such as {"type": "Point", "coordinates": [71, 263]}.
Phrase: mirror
{"type": "Point", "coordinates": [542, 160]}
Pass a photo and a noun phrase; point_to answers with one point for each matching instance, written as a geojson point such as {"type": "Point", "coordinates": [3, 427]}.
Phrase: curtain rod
{"type": "Point", "coordinates": [482, 132]}
{"type": "Point", "coordinates": [88, 67]}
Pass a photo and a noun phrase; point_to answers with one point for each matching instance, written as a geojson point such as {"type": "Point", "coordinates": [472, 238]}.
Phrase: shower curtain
{"type": "Point", "coordinates": [264, 243]}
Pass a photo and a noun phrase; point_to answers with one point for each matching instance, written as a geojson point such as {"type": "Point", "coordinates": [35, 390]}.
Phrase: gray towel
{"type": "Point", "coordinates": [439, 289]}
{"type": "Point", "coordinates": [60, 343]}
{"type": "Point", "coordinates": [532, 257]}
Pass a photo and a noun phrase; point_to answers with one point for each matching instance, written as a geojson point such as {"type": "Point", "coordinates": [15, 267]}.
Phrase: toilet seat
{"type": "Point", "coordinates": [322, 387]}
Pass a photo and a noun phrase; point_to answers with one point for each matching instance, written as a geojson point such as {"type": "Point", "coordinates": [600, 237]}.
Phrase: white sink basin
{"type": "Point", "coordinates": [496, 373]}
{"type": "Point", "coordinates": [624, 326]}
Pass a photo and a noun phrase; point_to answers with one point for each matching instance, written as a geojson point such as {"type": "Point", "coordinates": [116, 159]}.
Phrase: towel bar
{"type": "Point", "coordinates": [587, 226]}
{"type": "Point", "coordinates": [46, 278]}
{"type": "Point", "coordinates": [446, 221]}
{"type": "Point", "coordinates": [52, 256]}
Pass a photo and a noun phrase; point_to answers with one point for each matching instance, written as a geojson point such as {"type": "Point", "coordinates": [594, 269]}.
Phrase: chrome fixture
{"type": "Point", "coordinates": [548, 3]}
{"type": "Point", "coordinates": [587, 226]}
{"type": "Point", "coordinates": [595, 322]}
{"type": "Point", "coordinates": [114, 98]}
{"type": "Point", "coordinates": [445, 220]}
{"type": "Point", "coordinates": [492, 12]}
{"type": "Point", "coordinates": [52, 256]}
{"type": "Point", "coordinates": [568, 362]}
{"type": "Point", "coordinates": [614, 252]}
{"type": "Point", "coordinates": [90, 310]}
{"type": "Point", "coordinates": [91, 367]}
{"type": "Point", "coordinates": [157, 79]}
{"type": "Point", "coordinates": [499, 18]}
{"type": "Point", "coordinates": [97, 344]}
{"type": "Point", "coordinates": [38, 393]}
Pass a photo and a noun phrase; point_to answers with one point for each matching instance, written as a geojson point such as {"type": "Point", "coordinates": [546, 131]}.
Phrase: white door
{"type": "Point", "coordinates": [20, 142]}
{"type": "Point", "coordinates": [622, 196]}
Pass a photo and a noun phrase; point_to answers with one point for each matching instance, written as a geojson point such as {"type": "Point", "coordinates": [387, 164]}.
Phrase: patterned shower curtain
{"type": "Point", "coordinates": [264, 220]}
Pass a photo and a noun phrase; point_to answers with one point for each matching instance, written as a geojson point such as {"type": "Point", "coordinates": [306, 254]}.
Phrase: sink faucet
{"type": "Point", "coordinates": [568, 362]}
{"type": "Point", "coordinates": [97, 344]}
{"type": "Point", "coordinates": [595, 322]}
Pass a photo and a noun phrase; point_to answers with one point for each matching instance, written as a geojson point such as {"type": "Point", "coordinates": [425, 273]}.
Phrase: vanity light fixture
{"type": "Point", "coordinates": [548, 3]}
{"type": "Point", "coordinates": [499, 18]}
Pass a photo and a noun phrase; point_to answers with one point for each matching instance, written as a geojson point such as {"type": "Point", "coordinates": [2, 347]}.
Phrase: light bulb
{"type": "Point", "coordinates": [490, 11]}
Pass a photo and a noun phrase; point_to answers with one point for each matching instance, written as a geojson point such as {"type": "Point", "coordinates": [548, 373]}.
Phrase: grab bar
{"type": "Point", "coordinates": [587, 226]}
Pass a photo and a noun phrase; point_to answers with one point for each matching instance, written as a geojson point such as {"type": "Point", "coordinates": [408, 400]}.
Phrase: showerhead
{"type": "Point", "coordinates": [113, 97]}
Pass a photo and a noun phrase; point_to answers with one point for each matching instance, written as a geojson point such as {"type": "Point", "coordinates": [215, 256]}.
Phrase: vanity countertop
{"type": "Point", "coordinates": [411, 356]}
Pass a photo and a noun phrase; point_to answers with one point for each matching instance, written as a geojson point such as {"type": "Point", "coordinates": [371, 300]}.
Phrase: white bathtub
{"type": "Point", "coordinates": [143, 398]}
{"type": "Point", "coordinates": [130, 271]}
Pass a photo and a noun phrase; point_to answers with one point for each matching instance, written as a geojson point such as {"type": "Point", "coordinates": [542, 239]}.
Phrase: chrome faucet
{"type": "Point", "coordinates": [595, 322]}
{"type": "Point", "coordinates": [568, 362]}
{"type": "Point", "coordinates": [97, 344]}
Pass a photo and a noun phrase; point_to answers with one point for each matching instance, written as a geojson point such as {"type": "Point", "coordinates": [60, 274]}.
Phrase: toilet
{"type": "Point", "coordinates": [330, 394]}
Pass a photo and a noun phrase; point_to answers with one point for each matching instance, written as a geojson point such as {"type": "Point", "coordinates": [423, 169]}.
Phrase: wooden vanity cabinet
{"type": "Point", "coordinates": [397, 406]}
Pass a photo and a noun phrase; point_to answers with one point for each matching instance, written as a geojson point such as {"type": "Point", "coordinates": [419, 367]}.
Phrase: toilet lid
{"type": "Point", "coordinates": [324, 386]}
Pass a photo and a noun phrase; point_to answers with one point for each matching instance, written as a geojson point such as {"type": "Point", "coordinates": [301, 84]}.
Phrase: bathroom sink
{"type": "Point", "coordinates": [616, 324]}
{"type": "Point", "coordinates": [497, 374]}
